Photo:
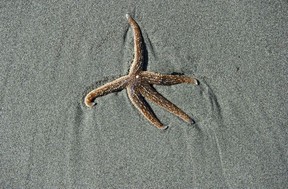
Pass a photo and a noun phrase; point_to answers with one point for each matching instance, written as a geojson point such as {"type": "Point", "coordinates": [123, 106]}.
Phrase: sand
{"type": "Point", "coordinates": [53, 53]}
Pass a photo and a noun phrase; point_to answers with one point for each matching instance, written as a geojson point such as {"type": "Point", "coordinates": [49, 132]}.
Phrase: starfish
{"type": "Point", "coordinates": [138, 84]}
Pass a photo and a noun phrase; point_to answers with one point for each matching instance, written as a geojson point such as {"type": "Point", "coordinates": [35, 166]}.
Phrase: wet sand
{"type": "Point", "coordinates": [52, 54]}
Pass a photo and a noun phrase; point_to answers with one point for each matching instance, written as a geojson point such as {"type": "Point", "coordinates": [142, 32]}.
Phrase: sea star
{"type": "Point", "coordinates": [138, 84]}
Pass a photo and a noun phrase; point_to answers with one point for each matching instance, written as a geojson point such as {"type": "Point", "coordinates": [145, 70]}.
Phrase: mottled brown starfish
{"type": "Point", "coordinates": [139, 85]}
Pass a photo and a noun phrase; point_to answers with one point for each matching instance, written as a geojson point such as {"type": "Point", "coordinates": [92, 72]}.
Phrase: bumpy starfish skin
{"type": "Point", "coordinates": [139, 85]}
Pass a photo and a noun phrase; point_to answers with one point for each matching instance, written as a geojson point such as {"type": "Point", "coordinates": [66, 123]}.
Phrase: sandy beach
{"type": "Point", "coordinates": [54, 53]}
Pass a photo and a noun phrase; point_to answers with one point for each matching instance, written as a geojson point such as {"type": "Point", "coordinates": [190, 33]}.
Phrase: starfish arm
{"type": "Point", "coordinates": [139, 102]}
{"type": "Point", "coordinates": [160, 79]}
{"type": "Point", "coordinates": [137, 64]}
{"type": "Point", "coordinates": [151, 94]}
{"type": "Point", "coordinates": [110, 87]}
